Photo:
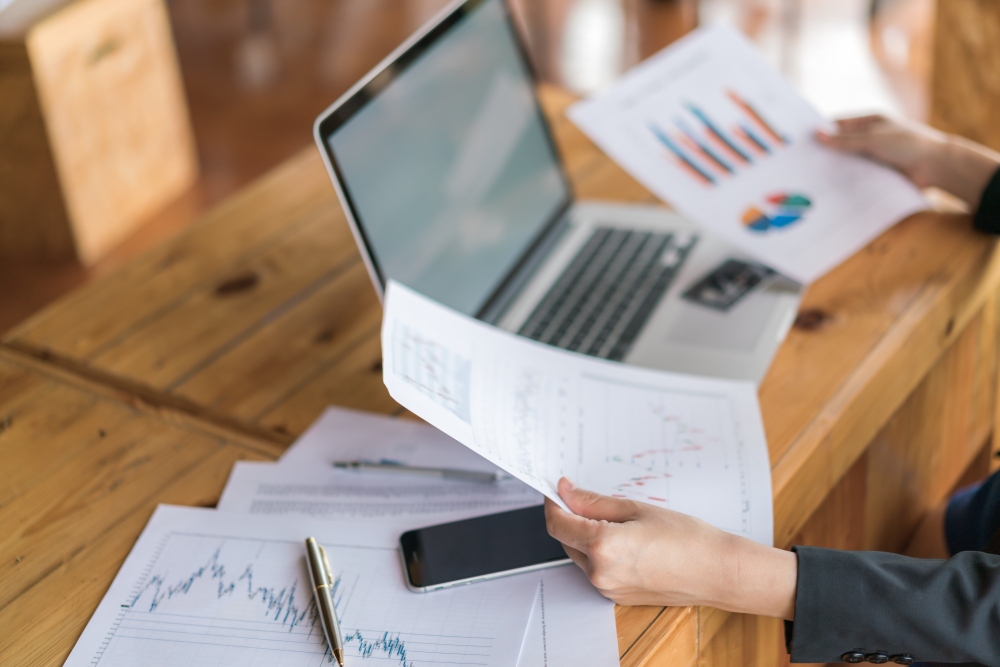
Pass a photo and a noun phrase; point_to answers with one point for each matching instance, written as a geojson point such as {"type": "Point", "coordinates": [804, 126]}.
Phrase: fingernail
{"type": "Point", "coordinates": [572, 486]}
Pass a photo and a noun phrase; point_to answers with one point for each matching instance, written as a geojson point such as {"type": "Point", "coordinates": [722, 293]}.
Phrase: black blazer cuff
{"type": "Point", "coordinates": [887, 605]}
{"type": "Point", "coordinates": [987, 218]}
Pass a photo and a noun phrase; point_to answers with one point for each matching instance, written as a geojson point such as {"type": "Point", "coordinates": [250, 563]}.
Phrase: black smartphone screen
{"type": "Point", "coordinates": [479, 547]}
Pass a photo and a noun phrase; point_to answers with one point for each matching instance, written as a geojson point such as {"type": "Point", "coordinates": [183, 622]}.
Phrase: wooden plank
{"type": "Point", "coordinates": [33, 630]}
{"type": "Point", "coordinates": [354, 380]}
{"type": "Point", "coordinates": [919, 456]}
{"type": "Point", "coordinates": [671, 639]}
{"type": "Point", "coordinates": [632, 623]}
{"type": "Point", "coordinates": [91, 320]}
{"type": "Point", "coordinates": [807, 466]}
{"type": "Point", "coordinates": [338, 316]}
{"type": "Point", "coordinates": [169, 348]}
{"type": "Point", "coordinates": [83, 471]}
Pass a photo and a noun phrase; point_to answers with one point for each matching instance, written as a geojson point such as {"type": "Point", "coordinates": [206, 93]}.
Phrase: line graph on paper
{"type": "Point", "coordinates": [666, 448]}
{"type": "Point", "coordinates": [433, 369]}
{"type": "Point", "coordinates": [225, 601]}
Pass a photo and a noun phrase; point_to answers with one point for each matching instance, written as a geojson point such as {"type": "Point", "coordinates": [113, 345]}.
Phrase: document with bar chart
{"type": "Point", "coordinates": [711, 128]}
{"type": "Point", "coordinates": [691, 444]}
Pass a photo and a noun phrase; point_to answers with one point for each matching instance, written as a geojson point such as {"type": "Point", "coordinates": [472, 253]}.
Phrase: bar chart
{"type": "Point", "coordinates": [707, 148]}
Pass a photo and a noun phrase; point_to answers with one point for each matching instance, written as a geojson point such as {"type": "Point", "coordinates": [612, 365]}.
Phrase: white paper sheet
{"type": "Point", "coordinates": [566, 602]}
{"type": "Point", "coordinates": [220, 588]}
{"type": "Point", "coordinates": [404, 500]}
{"type": "Point", "coordinates": [571, 624]}
{"type": "Point", "coordinates": [695, 445]}
{"type": "Point", "coordinates": [708, 126]}
{"type": "Point", "coordinates": [350, 435]}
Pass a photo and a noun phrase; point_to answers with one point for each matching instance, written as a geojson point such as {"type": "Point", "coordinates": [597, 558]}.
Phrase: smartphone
{"type": "Point", "coordinates": [486, 547]}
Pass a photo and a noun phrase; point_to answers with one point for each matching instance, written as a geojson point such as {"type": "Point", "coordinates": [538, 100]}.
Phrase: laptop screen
{"type": "Point", "coordinates": [447, 163]}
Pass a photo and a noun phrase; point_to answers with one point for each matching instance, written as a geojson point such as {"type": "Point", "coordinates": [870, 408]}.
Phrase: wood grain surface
{"type": "Point", "coordinates": [965, 85]}
{"type": "Point", "coordinates": [230, 341]}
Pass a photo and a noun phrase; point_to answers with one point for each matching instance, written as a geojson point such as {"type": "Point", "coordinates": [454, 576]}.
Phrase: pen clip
{"type": "Point", "coordinates": [326, 565]}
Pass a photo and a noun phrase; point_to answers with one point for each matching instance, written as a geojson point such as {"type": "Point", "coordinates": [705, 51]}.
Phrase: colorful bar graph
{"type": "Point", "coordinates": [717, 131]}
{"type": "Point", "coordinates": [686, 162]}
{"type": "Point", "coordinates": [755, 116]}
{"type": "Point", "coordinates": [702, 147]}
{"type": "Point", "coordinates": [707, 151]}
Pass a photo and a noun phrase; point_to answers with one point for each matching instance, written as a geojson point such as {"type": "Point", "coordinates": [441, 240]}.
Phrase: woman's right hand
{"type": "Point", "coordinates": [926, 156]}
{"type": "Point", "coordinates": [913, 149]}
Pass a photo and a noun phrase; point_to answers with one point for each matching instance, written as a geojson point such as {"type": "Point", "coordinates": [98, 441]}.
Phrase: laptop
{"type": "Point", "coordinates": [452, 185]}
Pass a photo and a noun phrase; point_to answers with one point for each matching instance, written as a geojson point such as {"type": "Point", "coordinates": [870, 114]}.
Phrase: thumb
{"type": "Point", "coordinates": [594, 506]}
{"type": "Point", "coordinates": [852, 143]}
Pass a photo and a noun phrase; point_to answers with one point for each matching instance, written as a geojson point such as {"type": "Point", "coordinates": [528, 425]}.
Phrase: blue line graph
{"type": "Point", "coordinates": [393, 647]}
{"type": "Point", "coordinates": [281, 602]}
{"type": "Point", "coordinates": [224, 603]}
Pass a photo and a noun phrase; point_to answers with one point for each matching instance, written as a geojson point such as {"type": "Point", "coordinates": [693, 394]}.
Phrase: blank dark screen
{"type": "Point", "coordinates": [478, 547]}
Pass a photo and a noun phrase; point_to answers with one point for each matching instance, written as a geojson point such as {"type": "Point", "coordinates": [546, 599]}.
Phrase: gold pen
{"type": "Point", "coordinates": [322, 580]}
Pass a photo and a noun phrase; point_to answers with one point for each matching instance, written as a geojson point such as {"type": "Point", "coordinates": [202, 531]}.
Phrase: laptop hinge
{"type": "Point", "coordinates": [530, 262]}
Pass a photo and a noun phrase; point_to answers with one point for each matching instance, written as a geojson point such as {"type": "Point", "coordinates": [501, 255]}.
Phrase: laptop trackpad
{"type": "Point", "coordinates": [738, 330]}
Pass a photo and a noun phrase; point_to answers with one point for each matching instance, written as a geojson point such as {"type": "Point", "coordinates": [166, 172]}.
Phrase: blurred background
{"type": "Point", "coordinates": [256, 73]}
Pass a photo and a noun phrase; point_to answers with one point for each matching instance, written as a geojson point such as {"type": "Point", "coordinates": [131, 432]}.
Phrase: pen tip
{"type": "Point", "coordinates": [339, 653]}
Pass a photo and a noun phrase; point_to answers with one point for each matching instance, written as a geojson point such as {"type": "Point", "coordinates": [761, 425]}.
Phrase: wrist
{"type": "Point", "coordinates": [762, 580]}
{"type": "Point", "coordinates": [964, 168]}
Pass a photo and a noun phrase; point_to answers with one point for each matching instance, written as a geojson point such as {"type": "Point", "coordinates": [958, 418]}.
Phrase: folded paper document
{"type": "Point", "coordinates": [695, 445]}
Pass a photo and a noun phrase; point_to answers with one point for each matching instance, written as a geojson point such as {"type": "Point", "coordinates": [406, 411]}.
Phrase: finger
{"type": "Point", "coordinates": [850, 143]}
{"type": "Point", "coordinates": [570, 529]}
{"type": "Point", "coordinates": [859, 123]}
{"type": "Point", "coordinates": [595, 506]}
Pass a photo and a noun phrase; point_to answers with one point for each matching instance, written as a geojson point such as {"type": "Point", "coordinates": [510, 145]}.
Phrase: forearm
{"type": "Point", "coordinates": [761, 580]}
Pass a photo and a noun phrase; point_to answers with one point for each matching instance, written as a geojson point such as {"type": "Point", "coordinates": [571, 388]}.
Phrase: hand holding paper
{"type": "Point", "coordinates": [708, 126]}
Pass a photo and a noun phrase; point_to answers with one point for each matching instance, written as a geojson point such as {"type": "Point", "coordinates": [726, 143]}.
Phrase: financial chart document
{"type": "Point", "coordinates": [710, 127]}
{"type": "Point", "coordinates": [220, 589]}
{"type": "Point", "coordinates": [691, 444]}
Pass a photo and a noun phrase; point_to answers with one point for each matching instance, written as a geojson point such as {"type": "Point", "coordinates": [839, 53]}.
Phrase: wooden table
{"type": "Point", "coordinates": [144, 387]}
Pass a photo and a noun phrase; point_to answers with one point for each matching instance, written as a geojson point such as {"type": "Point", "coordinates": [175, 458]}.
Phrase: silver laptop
{"type": "Point", "coordinates": [451, 183]}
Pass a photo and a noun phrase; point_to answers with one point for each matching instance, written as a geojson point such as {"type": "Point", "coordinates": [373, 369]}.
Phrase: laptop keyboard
{"type": "Point", "coordinates": [601, 301]}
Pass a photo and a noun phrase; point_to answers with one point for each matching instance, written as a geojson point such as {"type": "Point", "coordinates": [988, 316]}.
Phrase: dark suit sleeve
{"type": "Point", "coordinates": [872, 602]}
{"type": "Point", "coordinates": [987, 217]}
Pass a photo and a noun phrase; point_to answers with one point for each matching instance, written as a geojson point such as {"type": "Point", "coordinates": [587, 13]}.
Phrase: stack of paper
{"type": "Point", "coordinates": [305, 483]}
{"type": "Point", "coordinates": [229, 586]}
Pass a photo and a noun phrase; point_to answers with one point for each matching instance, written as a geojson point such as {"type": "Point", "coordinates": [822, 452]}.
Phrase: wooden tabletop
{"type": "Point", "coordinates": [230, 341]}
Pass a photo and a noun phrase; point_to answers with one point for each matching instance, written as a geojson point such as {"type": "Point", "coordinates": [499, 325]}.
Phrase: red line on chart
{"type": "Point", "coordinates": [755, 116]}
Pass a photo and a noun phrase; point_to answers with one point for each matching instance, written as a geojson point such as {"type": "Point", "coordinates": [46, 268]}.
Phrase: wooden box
{"type": "Point", "coordinates": [94, 130]}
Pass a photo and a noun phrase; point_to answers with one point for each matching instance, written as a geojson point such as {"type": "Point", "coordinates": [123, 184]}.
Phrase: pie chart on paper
{"type": "Point", "coordinates": [778, 211]}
